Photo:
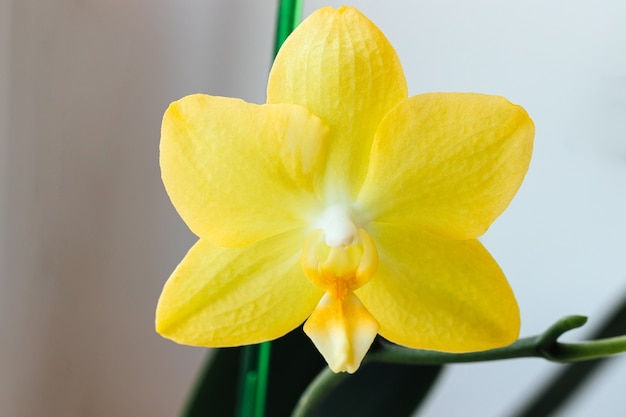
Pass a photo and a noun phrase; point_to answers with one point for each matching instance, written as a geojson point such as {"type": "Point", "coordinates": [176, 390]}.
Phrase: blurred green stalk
{"type": "Point", "coordinates": [254, 373]}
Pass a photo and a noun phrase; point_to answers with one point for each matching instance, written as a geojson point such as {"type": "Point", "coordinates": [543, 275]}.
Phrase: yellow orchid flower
{"type": "Point", "coordinates": [344, 201]}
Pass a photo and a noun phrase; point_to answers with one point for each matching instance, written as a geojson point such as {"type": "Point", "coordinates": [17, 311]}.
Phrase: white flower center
{"type": "Point", "coordinates": [339, 228]}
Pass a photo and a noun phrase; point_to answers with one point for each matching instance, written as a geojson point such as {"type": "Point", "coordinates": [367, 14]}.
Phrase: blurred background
{"type": "Point", "coordinates": [88, 235]}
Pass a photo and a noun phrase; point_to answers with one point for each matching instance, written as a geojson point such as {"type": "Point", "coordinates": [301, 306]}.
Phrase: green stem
{"type": "Point", "coordinates": [255, 364]}
{"type": "Point", "coordinates": [289, 16]}
{"type": "Point", "coordinates": [317, 391]}
{"type": "Point", "coordinates": [545, 345]}
{"type": "Point", "coordinates": [253, 380]}
{"type": "Point", "coordinates": [594, 349]}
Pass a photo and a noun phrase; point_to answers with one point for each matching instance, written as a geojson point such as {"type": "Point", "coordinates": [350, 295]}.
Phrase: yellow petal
{"type": "Point", "coordinates": [228, 297]}
{"type": "Point", "coordinates": [238, 172]}
{"type": "Point", "coordinates": [433, 293]}
{"type": "Point", "coordinates": [340, 66]}
{"type": "Point", "coordinates": [342, 330]}
{"type": "Point", "coordinates": [449, 163]}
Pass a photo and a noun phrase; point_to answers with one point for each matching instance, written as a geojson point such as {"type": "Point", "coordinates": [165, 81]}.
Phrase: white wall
{"type": "Point", "coordinates": [91, 236]}
{"type": "Point", "coordinates": [5, 44]}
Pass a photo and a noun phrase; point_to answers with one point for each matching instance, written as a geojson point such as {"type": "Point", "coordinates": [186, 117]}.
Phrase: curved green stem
{"type": "Point", "coordinates": [594, 349]}
{"type": "Point", "coordinates": [316, 392]}
{"type": "Point", "coordinates": [545, 345]}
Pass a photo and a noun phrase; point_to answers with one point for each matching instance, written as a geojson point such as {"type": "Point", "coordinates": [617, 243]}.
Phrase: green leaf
{"type": "Point", "coordinates": [216, 389]}
{"type": "Point", "coordinates": [294, 363]}
{"type": "Point", "coordinates": [379, 389]}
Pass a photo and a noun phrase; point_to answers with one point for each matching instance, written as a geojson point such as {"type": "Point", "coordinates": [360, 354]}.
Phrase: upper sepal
{"type": "Point", "coordinates": [342, 68]}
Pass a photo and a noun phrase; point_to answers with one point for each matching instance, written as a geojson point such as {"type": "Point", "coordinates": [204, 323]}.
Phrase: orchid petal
{"type": "Point", "coordinates": [439, 294]}
{"type": "Point", "coordinates": [237, 172]}
{"type": "Point", "coordinates": [449, 163]}
{"type": "Point", "coordinates": [229, 297]}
